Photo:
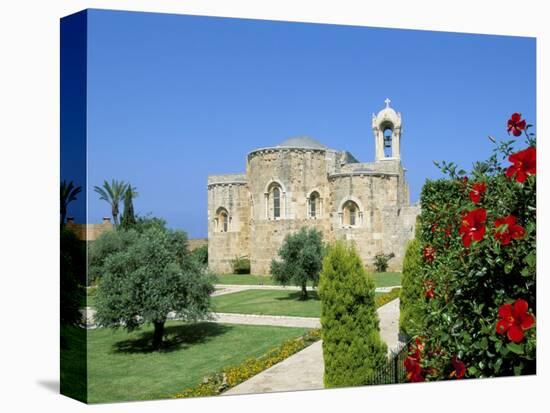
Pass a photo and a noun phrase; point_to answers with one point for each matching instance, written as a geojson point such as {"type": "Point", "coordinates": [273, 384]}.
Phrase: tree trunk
{"type": "Point", "coordinates": [63, 216]}
{"type": "Point", "coordinates": [157, 334]}
{"type": "Point", "coordinates": [304, 292]}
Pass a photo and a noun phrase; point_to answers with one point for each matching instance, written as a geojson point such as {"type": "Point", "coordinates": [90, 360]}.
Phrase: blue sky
{"type": "Point", "coordinates": [172, 99]}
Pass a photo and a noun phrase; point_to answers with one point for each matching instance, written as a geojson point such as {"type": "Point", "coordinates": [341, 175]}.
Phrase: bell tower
{"type": "Point", "coordinates": [386, 126]}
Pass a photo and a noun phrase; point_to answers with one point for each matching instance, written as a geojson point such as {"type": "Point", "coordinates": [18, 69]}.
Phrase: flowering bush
{"type": "Point", "coordinates": [477, 252]}
{"type": "Point", "coordinates": [234, 375]}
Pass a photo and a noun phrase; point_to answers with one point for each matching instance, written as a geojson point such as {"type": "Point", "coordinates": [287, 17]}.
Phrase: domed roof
{"type": "Point", "coordinates": [301, 142]}
{"type": "Point", "coordinates": [387, 114]}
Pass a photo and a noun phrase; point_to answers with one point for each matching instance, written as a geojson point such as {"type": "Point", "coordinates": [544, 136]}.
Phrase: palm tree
{"type": "Point", "coordinates": [68, 194]}
{"type": "Point", "coordinates": [113, 194]}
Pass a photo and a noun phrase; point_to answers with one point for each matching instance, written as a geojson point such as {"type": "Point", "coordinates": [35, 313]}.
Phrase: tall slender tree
{"type": "Point", "coordinates": [128, 218]}
{"type": "Point", "coordinates": [112, 193]}
{"type": "Point", "coordinates": [68, 194]}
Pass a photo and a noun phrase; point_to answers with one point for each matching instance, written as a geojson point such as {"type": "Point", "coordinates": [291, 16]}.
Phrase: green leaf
{"type": "Point", "coordinates": [508, 267]}
{"type": "Point", "coordinates": [504, 350]}
{"type": "Point", "coordinates": [531, 259]}
{"type": "Point", "coordinates": [498, 364]}
{"type": "Point", "coordinates": [484, 344]}
{"type": "Point", "coordinates": [515, 348]}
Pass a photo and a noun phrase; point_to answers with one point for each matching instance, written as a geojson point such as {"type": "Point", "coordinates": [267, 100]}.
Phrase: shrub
{"type": "Point", "coordinates": [381, 261]}
{"type": "Point", "coordinates": [352, 348]}
{"type": "Point", "coordinates": [200, 254]}
{"type": "Point", "coordinates": [107, 244]}
{"type": "Point", "coordinates": [478, 268]}
{"type": "Point", "coordinates": [72, 259]}
{"type": "Point", "coordinates": [234, 375]}
{"type": "Point", "coordinates": [241, 265]}
{"type": "Point", "coordinates": [384, 299]}
{"type": "Point", "coordinates": [301, 257]}
{"type": "Point", "coordinates": [410, 313]}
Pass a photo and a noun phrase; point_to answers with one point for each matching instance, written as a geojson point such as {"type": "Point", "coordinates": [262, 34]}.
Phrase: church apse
{"type": "Point", "coordinates": [301, 182]}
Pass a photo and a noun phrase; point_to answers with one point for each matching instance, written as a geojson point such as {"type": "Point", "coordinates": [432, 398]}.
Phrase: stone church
{"type": "Point", "coordinates": [301, 182]}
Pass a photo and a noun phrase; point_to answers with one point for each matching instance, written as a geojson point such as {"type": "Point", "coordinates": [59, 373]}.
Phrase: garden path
{"type": "Point", "coordinates": [304, 370]}
{"type": "Point", "coordinates": [222, 289]}
{"type": "Point", "coordinates": [269, 320]}
{"type": "Point", "coordinates": [88, 315]}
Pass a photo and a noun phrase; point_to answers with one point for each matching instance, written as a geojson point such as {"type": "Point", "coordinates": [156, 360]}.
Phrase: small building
{"type": "Point", "coordinates": [89, 232]}
{"type": "Point", "coordinates": [302, 182]}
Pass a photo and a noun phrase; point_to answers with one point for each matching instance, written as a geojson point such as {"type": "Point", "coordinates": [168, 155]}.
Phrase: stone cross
{"type": "Point", "coordinates": [387, 102]}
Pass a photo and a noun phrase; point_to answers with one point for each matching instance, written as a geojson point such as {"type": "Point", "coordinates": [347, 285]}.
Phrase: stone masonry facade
{"type": "Point", "coordinates": [301, 182]}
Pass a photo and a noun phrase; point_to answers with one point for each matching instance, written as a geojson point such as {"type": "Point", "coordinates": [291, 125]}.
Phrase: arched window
{"type": "Point", "coordinates": [314, 205]}
{"type": "Point", "coordinates": [388, 135]}
{"type": "Point", "coordinates": [274, 201]}
{"type": "Point", "coordinates": [222, 220]}
{"type": "Point", "coordinates": [351, 214]}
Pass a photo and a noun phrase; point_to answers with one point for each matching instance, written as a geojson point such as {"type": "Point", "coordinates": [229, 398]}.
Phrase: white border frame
{"type": "Point", "coordinates": [29, 158]}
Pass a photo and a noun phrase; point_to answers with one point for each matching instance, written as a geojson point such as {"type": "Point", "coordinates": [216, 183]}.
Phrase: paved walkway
{"type": "Point", "coordinates": [305, 369]}
{"type": "Point", "coordinates": [222, 289]}
{"type": "Point", "coordinates": [301, 371]}
{"type": "Point", "coordinates": [88, 315]}
{"type": "Point", "coordinates": [267, 320]}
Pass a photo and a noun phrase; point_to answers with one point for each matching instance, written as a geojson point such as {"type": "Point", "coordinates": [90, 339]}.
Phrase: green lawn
{"type": "Point", "coordinates": [387, 279]}
{"type": "Point", "coordinates": [73, 362]}
{"type": "Point", "coordinates": [382, 279]}
{"type": "Point", "coordinates": [268, 302]}
{"type": "Point", "coordinates": [121, 366]}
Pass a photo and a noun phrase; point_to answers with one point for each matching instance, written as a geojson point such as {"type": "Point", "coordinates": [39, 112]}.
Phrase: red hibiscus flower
{"type": "Point", "coordinates": [412, 362]}
{"type": "Point", "coordinates": [473, 226]}
{"type": "Point", "coordinates": [434, 228]}
{"type": "Point", "coordinates": [514, 320]}
{"type": "Point", "coordinates": [419, 345]}
{"type": "Point", "coordinates": [506, 229]}
{"type": "Point", "coordinates": [429, 289]}
{"type": "Point", "coordinates": [429, 253]}
{"type": "Point", "coordinates": [459, 368]}
{"type": "Point", "coordinates": [414, 370]}
{"type": "Point", "coordinates": [478, 189]}
{"type": "Point", "coordinates": [516, 125]}
{"type": "Point", "coordinates": [524, 163]}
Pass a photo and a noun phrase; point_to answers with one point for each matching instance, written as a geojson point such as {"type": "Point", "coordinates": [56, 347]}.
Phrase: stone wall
{"type": "Point", "coordinates": [299, 172]}
{"type": "Point", "coordinates": [380, 222]}
{"type": "Point", "coordinates": [231, 194]}
{"type": "Point", "coordinates": [195, 243]}
{"type": "Point", "coordinates": [89, 232]}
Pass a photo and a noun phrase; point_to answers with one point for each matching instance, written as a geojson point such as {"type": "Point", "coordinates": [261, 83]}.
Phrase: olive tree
{"type": "Point", "coordinates": [153, 276]}
{"type": "Point", "coordinates": [301, 258]}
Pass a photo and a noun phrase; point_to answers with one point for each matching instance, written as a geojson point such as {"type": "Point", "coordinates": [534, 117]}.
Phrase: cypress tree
{"type": "Point", "coordinates": [128, 217]}
{"type": "Point", "coordinates": [411, 289]}
{"type": "Point", "coordinates": [352, 348]}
